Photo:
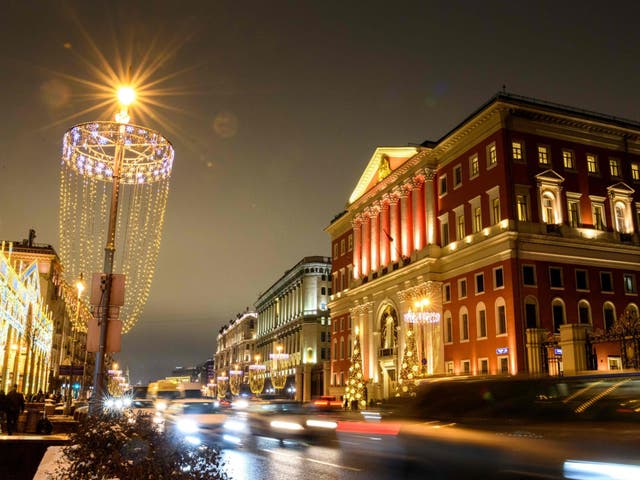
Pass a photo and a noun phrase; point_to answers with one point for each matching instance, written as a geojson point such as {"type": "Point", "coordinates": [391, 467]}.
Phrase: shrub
{"type": "Point", "coordinates": [115, 446]}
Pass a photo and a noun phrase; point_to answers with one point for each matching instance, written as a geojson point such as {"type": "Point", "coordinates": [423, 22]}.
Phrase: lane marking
{"type": "Point", "coordinates": [298, 457]}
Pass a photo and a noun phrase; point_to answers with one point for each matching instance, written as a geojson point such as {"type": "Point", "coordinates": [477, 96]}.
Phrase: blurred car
{"type": "Point", "coordinates": [328, 402]}
{"type": "Point", "coordinates": [582, 427]}
{"type": "Point", "coordinates": [289, 420]}
{"type": "Point", "coordinates": [198, 419]}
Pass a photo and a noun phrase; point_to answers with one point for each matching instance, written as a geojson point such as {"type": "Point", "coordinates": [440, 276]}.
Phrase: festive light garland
{"type": "Point", "coordinates": [87, 174]}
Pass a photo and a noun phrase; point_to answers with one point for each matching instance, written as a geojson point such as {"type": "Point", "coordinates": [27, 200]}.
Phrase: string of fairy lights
{"type": "Point", "coordinates": [87, 174]}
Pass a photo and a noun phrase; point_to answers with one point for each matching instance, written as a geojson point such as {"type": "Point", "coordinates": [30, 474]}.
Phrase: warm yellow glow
{"type": "Point", "coordinates": [357, 330]}
{"type": "Point", "coordinates": [80, 287]}
{"type": "Point", "coordinates": [257, 358]}
{"type": "Point", "coordinates": [126, 96]}
{"type": "Point", "coordinates": [504, 223]}
{"type": "Point", "coordinates": [279, 348]}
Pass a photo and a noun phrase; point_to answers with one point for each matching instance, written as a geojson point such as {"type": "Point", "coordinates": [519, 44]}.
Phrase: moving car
{"type": "Point", "coordinates": [284, 419]}
{"type": "Point", "coordinates": [198, 419]}
{"type": "Point", "coordinates": [554, 427]}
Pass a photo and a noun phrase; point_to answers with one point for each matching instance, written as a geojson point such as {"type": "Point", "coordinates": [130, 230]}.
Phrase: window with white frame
{"type": "Point", "coordinates": [531, 312]}
{"type": "Point", "coordinates": [350, 242]}
{"type": "Point", "coordinates": [592, 164]}
{"type": "Point", "coordinates": [582, 280]}
{"type": "Point", "coordinates": [629, 281]}
{"type": "Point", "coordinates": [517, 151]}
{"type": "Point", "coordinates": [476, 214]}
{"type": "Point", "coordinates": [543, 155]}
{"type": "Point", "coordinates": [483, 366]}
{"type": "Point", "coordinates": [584, 312]}
{"type": "Point", "coordinates": [335, 250]}
{"type": "Point", "coordinates": [635, 172]}
{"type": "Point", "coordinates": [597, 212]}
{"type": "Point", "coordinates": [492, 155]}
{"type": "Point", "coordinates": [464, 325]}
{"type": "Point", "coordinates": [444, 229]}
{"type": "Point", "coordinates": [449, 367]}
{"type": "Point", "coordinates": [568, 159]}
{"type": "Point", "coordinates": [494, 203]}
{"type": "Point", "coordinates": [462, 288]}
{"type": "Point", "coordinates": [443, 185]}
{"type": "Point", "coordinates": [555, 277]}
{"type": "Point", "coordinates": [573, 212]}
{"type": "Point", "coordinates": [466, 366]}
{"type": "Point", "coordinates": [619, 209]}
{"type": "Point", "coordinates": [481, 320]}
{"type": "Point", "coordinates": [474, 166]}
{"type": "Point", "coordinates": [609, 314]}
{"type": "Point", "coordinates": [501, 317]}
{"type": "Point", "coordinates": [503, 363]}
{"type": "Point", "coordinates": [529, 275]}
{"type": "Point", "coordinates": [448, 327]}
{"type": "Point", "coordinates": [343, 247]}
{"type": "Point", "coordinates": [614, 167]}
{"type": "Point", "coordinates": [479, 277]}
{"type": "Point", "coordinates": [457, 176]}
{"type": "Point", "coordinates": [460, 226]}
{"type": "Point", "coordinates": [620, 197]}
{"type": "Point", "coordinates": [522, 202]}
{"type": "Point", "coordinates": [498, 278]}
{"type": "Point", "coordinates": [606, 282]}
{"type": "Point", "coordinates": [446, 293]}
{"type": "Point", "coordinates": [557, 314]}
{"type": "Point", "coordinates": [548, 202]}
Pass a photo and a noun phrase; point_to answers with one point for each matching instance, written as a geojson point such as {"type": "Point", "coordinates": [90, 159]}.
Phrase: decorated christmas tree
{"type": "Point", "coordinates": [355, 382]}
{"type": "Point", "coordinates": [410, 369]}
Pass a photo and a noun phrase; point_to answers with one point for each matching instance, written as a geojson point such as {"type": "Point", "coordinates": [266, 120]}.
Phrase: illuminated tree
{"type": "Point", "coordinates": [410, 369]}
{"type": "Point", "coordinates": [355, 382]}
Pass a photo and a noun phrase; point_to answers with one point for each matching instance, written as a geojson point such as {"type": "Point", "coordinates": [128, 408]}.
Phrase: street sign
{"type": "Point", "coordinates": [77, 370]}
{"type": "Point", "coordinates": [64, 370]}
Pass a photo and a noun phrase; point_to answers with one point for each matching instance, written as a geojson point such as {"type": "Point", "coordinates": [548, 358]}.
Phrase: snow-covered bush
{"type": "Point", "coordinates": [112, 446]}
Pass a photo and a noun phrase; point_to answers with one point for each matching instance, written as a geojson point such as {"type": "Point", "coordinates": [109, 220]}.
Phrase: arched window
{"type": "Point", "coordinates": [464, 325]}
{"type": "Point", "coordinates": [633, 308]}
{"type": "Point", "coordinates": [609, 315]}
{"type": "Point", "coordinates": [531, 312]}
{"type": "Point", "coordinates": [501, 317]}
{"type": "Point", "coordinates": [584, 312]}
{"type": "Point", "coordinates": [481, 320]}
{"type": "Point", "coordinates": [448, 327]}
{"type": "Point", "coordinates": [548, 203]}
{"type": "Point", "coordinates": [621, 224]}
{"type": "Point", "coordinates": [557, 313]}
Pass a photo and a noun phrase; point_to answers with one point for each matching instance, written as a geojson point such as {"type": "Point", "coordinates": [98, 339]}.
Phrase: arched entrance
{"type": "Point", "coordinates": [388, 346]}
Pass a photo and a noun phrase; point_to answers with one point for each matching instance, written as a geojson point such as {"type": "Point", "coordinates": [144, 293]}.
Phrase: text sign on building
{"type": "Point", "coordinates": [557, 351]}
{"type": "Point", "coordinates": [502, 350]}
{"type": "Point", "coordinates": [422, 317]}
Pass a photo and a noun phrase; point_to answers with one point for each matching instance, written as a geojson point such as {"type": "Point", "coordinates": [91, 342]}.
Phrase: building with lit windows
{"type": "Point", "coordinates": [293, 335]}
{"type": "Point", "coordinates": [509, 245]}
{"type": "Point", "coordinates": [235, 349]}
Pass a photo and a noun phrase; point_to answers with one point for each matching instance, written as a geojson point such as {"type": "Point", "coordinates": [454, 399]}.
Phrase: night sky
{"type": "Point", "coordinates": [274, 109]}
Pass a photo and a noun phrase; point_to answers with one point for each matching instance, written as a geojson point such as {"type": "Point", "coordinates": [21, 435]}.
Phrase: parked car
{"type": "Point", "coordinates": [555, 427]}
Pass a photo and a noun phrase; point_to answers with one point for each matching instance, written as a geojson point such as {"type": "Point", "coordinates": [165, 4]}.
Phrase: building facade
{"type": "Point", "coordinates": [235, 349]}
{"type": "Point", "coordinates": [509, 245]}
{"type": "Point", "coordinates": [294, 322]}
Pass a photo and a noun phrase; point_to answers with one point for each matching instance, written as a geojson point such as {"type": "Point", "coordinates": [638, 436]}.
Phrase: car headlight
{"type": "Point", "coordinates": [187, 426]}
{"type": "Point", "coordinates": [286, 425]}
{"type": "Point", "coordinates": [322, 424]}
{"type": "Point", "coordinates": [161, 406]}
{"type": "Point", "coordinates": [235, 426]}
{"type": "Point", "coordinates": [240, 404]}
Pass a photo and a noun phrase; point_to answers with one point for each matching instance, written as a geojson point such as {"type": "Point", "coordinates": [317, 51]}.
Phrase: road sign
{"type": "Point", "coordinates": [64, 370]}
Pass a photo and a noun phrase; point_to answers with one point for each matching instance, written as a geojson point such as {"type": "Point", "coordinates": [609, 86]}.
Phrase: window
{"type": "Point", "coordinates": [479, 283]}
{"type": "Point", "coordinates": [592, 163]}
{"type": "Point", "coordinates": [531, 312]}
{"type": "Point", "coordinates": [492, 155]}
{"type": "Point", "coordinates": [447, 293]}
{"type": "Point", "coordinates": [504, 365]}
{"type": "Point", "coordinates": [516, 151]}
{"type": "Point", "coordinates": [444, 230]}
{"type": "Point", "coordinates": [557, 311]}
{"type": "Point", "coordinates": [498, 278]}
{"type": "Point", "coordinates": [448, 328]}
{"type": "Point", "coordinates": [460, 226]}
{"type": "Point", "coordinates": [584, 312]}
{"type": "Point", "coordinates": [323, 291]}
{"type": "Point", "coordinates": [523, 207]}
{"type": "Point", "coordinates": [629, 280]}
{"type": "Point", "coordinates": [342, 349]}
{"type": "Point", "coordinates": [635, 172]}
{"type": "Point", "coordinates": [466, 366]}
{"type": "Point", "coordinates": [620, 217]}
{"type": "Point", "coordinates": [482, 323]}
{"type": "Point", "coordinates": [609, 316]}
{"type": "Point", "coordinates": [548, 216]}
{"type": "Point", "coordinates": [335, 250]}
{"type": "Point", "coordinates": [350, 242]}
{"type": "Point", "coordinates": [477, 219]}
{"type": "Point", "coordinates": [529, 275]}
{"type": "Point", "coordinates": [614, 167]}
{"type": "Point", "coordinates": [342, 247]}
{"type": "Point", "coordinates": [448, 367]}
{"type": "Point", "coordinates": [474, 166]}
{"type": "Point", "coordinates": [598, 217]}
{"type": "Point", "coordinates": [323, 337]}
{"type": "Point", "coordinates": [606, 282]}
{"type": "Point", "coordinates": [543, 155]}
{"type": "Point", "coordinates": [555, 277]}
{"type": "Point", "coordinates": [501, 320]}
{"type": "Point", "coordinates": [443, 185]}
{"type": "Point", "coordinates": [573, 209]}
{"type": "Point", "coordinates": [464, 326]}
{"type": "Point", "coordinates": [615, 362]}
{"type": "Point", "coordinates": [462, 288]}
{"type": "Point", "coordinates": [457, 176]}
{"type": "Point", "coordinates": [582, 280]}
{"type": "Point", "coordinates": [483, 366]}
{"type": "Point", "coordinates": [495, 210]}
{"type": "Point", "coordinates": [568, 159]}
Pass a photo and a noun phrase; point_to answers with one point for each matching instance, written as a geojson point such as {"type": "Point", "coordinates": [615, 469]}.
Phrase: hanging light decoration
{"type": "Point", "coordinates": [223, 385]}
{"type": "Point", "coordinates": [235, 380]}
{"type": "Point", "coordinates": [87, 175]}
{"type": "Point", "coordinates": [278, 371]}
{"type": "Point", "coordinates": [256, 378]}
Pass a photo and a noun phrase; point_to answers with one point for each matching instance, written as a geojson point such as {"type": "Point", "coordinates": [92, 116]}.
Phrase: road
{"type": "Point", "coordinates": [344, 458]}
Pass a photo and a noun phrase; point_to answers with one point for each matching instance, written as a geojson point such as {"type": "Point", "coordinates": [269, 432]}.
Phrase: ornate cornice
{"type": "Point", "coordinates": [430, 289]}
{"type": "Point", "coordinates": [360, 309]}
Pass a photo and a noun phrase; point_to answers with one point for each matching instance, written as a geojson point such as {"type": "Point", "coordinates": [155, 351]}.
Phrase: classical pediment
{"type": "Point", "coordinates": [384, 161]}
{"type": "Point", "coordinates": [549, 176]}
{"type": "Point", "coordinates": [621, 188]}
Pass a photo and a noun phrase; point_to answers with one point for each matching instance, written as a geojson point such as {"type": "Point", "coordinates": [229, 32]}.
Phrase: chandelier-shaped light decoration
{"type": "Point", "coordinates": [235, 381]}
{"type": "Point", "coordinates": [278, 370]}
{"type": "Point", "coordinates": [86, 182]}
{"type": "Point", "coordinates": [257, 373]}
{"type": "Point", "coordinates": [223, 385]}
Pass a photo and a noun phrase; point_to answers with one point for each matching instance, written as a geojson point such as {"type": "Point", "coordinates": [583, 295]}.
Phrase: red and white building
{"type": "Point", "coordinates": [511, 245]}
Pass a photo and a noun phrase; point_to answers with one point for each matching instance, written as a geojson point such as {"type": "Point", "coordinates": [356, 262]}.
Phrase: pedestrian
{"type": "Point", "coordinates": [14, 407]}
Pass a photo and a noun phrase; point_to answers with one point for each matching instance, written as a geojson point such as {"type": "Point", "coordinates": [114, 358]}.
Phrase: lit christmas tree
{"type": "Point", "coordinates": [410, 370]}
{"type": "Point", "coordinates": [355, 383]}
